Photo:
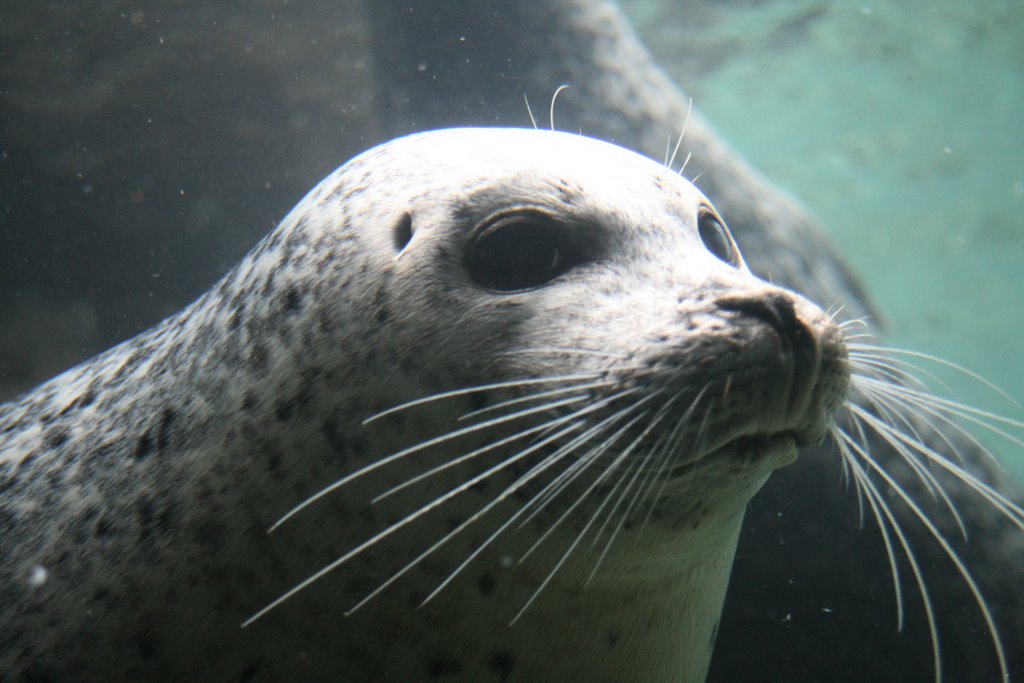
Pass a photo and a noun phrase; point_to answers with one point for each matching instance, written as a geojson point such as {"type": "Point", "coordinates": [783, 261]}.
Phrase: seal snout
{"type": "Point", "coordinates": [799, 359]}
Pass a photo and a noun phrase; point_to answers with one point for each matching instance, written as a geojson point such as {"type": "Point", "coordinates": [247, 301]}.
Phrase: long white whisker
{"type": "Point", "coordinates": [922, 587]}
{"type": "Point", "coordinates": [532, 397]}
{"type": "Point", "coordinates": [867, 491]}
{"type": "Point", "coordinates": [550, 424]}
{"type": "Point", "coordinates": [906, 446]}
{"type": "Point", "coordinates": [511, 384]}
{"type": "Point", "coordinates": [533, 473]}
{"type": "Point", "coordinates": [405, 521]}
{"type": "Point", "coordinates": [405, 452]}
{"type": "Point", "coordinates": [948, 549]}
{"type": "Point", "coordinates": [625, 490]}
{"type": "Point", "coordinates": [583, 496]}
{"type": "Point", "coordinates": [1012, 511]}
{"type": "Point", "coordinates": [529, 112]}
{"type": "Point", "coordinates": [551, 112]}
{"type": "Point", "coordinates": [939, 361]}
{"type": "Point", "coordinates": [554, 487]}
{"type": "Point", "coordinates": [679, 140]}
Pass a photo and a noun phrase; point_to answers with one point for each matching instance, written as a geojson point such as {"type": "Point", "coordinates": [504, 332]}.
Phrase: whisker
{"type": "Point", "coordinates": [867, 491]}
{"type": "Point", "coordinates": [554, 423]}
{"type": "Point", "coordinates": [532, 397]}
{"type": "Point", "coordinates": [511, 384]}
{"type": "Point", "coordinates": [405, 452]}
{"type": "Point", "coordinates": [405, 521]}
{"type": "Point", "coordinates": [551, 111]}
{"type": "Point", "coordinates": [554, 487]}
{"type": "Point", "coordinates": [679, 140]}
{"type": "Point", "coordinates": [529, 112]}
{"type": "Point", "coordinates": [533, 473]}
{"type": "Point", "coordinates": [674, 446]}
{"type": "Point", "coordinates": [567, 350]}
{"type": "Point", "coordinates": [905, 447]}
{"type": "Point", "coordinates": [950, 553]}
{"type": "Point", "coordinates": [638, 469]}
{"type": "Point", "coordinates": [943, 362]}
{"type": "Point", "coordinates": [583, 496]}
{"type": "Point", "coordinates": [1012, 511]}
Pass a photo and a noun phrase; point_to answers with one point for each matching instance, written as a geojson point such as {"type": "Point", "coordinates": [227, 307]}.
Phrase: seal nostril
{"type": "Point", "coordinates": [775, 310]}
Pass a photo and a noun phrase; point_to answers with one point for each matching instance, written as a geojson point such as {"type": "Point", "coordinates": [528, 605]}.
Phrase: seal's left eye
{"type": "Point", "coordinates": [520, 251]}
{"type": "Point", "coordinates": [716, 238]}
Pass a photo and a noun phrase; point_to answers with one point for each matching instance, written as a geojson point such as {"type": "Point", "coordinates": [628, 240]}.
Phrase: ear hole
{"type": "Point", "coordinates": [402, 232]}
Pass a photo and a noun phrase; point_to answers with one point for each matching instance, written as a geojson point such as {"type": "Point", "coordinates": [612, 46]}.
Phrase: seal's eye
{"type": "Point", "coordinates": [520, 251]}
{"type": "Point", "coordinates": [716, 238]}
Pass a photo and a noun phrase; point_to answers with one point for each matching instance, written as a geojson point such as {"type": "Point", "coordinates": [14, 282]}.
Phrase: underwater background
{"type": "Point", "coordinates": [130, 181]}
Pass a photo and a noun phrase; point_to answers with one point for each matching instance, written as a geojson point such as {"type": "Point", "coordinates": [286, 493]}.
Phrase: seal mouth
{"type": "Point", "coordinates": [772, 450]}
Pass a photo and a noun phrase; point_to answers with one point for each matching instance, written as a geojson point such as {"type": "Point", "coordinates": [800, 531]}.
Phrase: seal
{"type": "Point", "coordinates": [507, 394]}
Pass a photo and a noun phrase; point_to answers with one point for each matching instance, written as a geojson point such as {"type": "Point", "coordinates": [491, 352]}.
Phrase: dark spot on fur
{"type": "Point", "coordinates": [144, 446]}
{"type": "Point", "coordinates": [274, 462]}
{"type": "Point", "coordinates": [268, 285]}
{"type": "Point", "coordinates": [501, 663]}
{"type": "Point", "coordinates": [100, 594]}
{"type": "Point", "coordinates": [163, 433]}
{"type": "Point", "coordinates": [486, 584]}
{"type": "Point", "coordinates": [612, 638]}
{"type": "Point", "coordinates": [249, 401]}
{"type": "Point", "coordinates": [284, 409]}
{"type": "Point", "coordinates": [440, 664]}
{"type": "Point", "coordinates": [56, 437]}
{"type": "Point", "coordinates": [381, 316]}
{"type": "Point", "coordinates": [156, 438]}
{"type": "Point", "coordinates": [332, 434]}
{"type": "Point", "coordinates": [291, 301]}
{"type": "Point", "coordinates": [145, 644]}
{"type": "Point", "coordinates": [104, 528]}
{"type": "Point", "coordinates": [153, 521]}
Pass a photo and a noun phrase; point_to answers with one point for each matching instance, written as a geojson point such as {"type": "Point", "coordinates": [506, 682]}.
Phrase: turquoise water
{"type": "Point", "coordinates": [899, 124]}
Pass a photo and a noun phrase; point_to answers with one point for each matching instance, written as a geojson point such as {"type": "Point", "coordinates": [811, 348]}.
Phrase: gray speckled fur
{"type": "Point", "coordinates": [142, 481]}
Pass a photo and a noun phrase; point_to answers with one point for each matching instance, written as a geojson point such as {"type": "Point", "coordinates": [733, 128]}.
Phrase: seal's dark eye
{"type": "Point", "coordinates": [716, 238]}
{"type": "Point", "coordinates": [520, 251]}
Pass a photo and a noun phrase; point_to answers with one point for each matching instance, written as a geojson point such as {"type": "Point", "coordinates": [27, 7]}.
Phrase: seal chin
{"type": "Point", "coordinates": [756, 451]}
{"type": "Point", "coordinates": [772, 450]}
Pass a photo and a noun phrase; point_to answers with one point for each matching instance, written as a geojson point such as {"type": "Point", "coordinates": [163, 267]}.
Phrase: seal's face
{"type": "Point", "coordinates": [555, 255]}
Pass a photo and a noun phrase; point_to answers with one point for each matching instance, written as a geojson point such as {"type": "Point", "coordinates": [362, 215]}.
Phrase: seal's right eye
{"type": "Point", "coordinates": [520, 251]}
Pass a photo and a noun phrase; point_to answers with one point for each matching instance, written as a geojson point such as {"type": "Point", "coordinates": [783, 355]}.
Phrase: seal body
{"type": "Point", "coordinates": [611, 385]}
